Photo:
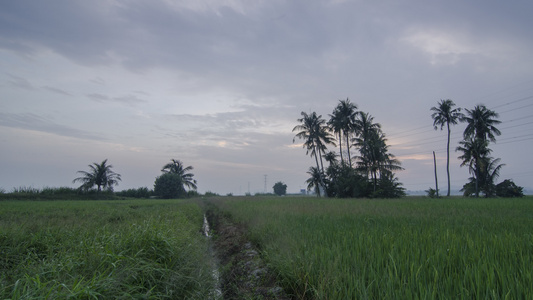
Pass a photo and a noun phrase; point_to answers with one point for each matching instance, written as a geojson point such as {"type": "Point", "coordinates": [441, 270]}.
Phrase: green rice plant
{"type": "Point", "coordinates": [25, 190]}
{"type": "Point", "coordinates": [103, 249]}
{"type": "Point", "coordinates": [393, 249]}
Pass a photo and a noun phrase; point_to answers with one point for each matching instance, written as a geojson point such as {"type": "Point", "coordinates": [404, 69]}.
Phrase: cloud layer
{"type": "Point", "coordinates": [220, 84]}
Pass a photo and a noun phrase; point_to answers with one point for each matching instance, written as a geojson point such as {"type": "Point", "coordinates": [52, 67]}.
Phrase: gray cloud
{"type": "Point", "coordinates": [128, 99]}
{"type": "Point", "coordinates": [21, 83]}
{"type": "Point", "coordinates": [57, 91]}
{"type": "Point", "coordinates": [259, 65]}
{"type": "Point", "coordinates": [34, 122]}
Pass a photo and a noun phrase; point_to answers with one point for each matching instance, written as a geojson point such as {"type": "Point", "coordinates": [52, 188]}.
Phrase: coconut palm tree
{"type": "Point", "coordinates": [177, 167]}
{"type": "Point", "coordinates": [314, 132]}
{"type": "Point", "coordinates": [336, 125]}
{"type": "Point", "coordinates": [343, 121]}
{"type": "Point", "coordinates": [490, 172]}
{"type": "Point", "coordinates": [445, 114]}
{"type": "Point", "coordinates": [100, 175]}
{"type": "Point", "coordinates": [316, 136]}
{"type": "Point", "coordinates": [375, 158]}
{"type": "Point", "coordinates": [316, 181]}
{"type": "Point", "coordinates": [481, 123]}
{"type": "Point", "coordinates": [331, 158]}
{"type": "Point", "coordinates": [475, 152]}
{"type": "Point", "coordinates": [366, 130]}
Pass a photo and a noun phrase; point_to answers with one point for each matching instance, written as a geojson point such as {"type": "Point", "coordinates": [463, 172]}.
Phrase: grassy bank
{"type": "Point", "coordinates": [394, 249]}
{"type": "Point", "coordinates": [103, 249]}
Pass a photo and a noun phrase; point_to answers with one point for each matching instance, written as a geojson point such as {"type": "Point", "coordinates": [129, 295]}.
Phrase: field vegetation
{"type": "Point", "coordinates": [103, 250]}
{"type": "Point", "coordinates": [393, 249]}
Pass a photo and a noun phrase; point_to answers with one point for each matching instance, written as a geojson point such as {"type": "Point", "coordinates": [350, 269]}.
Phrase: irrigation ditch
{"type": "Point", "coordinates": [239, 270]}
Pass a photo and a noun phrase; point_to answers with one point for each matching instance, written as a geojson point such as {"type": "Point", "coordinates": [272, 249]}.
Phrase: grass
{"type": "Point", "coordinates": [394, 249]}
{"type": "Point", "coordinates": [103, 249]}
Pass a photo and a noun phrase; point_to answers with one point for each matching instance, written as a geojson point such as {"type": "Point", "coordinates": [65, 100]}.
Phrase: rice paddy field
{"type": "Point", "coordinates": [133, 249]}
{"type": "Point", "coordinates": [410, 248]}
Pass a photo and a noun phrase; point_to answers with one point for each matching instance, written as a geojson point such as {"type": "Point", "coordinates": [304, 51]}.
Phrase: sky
{"type": "Point", "coordinates": [220, 84]}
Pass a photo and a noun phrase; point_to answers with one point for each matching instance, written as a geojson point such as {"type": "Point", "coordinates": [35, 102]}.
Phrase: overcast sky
{"type": "Point", "coordinates": [220, 84]}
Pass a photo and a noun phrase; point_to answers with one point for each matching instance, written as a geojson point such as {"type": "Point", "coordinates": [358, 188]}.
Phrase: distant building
{"type": "Point", "coordinates": [303, 191]}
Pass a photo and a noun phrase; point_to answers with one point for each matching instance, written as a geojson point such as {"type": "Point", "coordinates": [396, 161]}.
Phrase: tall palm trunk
{"type": "Point", "coordinates": [340, 146]}
{"type": "Point", "coordinates": [348, 146]}
{"type": "Point", "coordinates": [477, 182]}
{"type": "Point", "coordinates": [448, 159]}
{"type": "Point", "coordinates": [321, 183]}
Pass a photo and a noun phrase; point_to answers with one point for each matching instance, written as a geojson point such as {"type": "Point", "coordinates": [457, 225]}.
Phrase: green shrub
{"type": "Point", "coordinates": [280, 188]}
{"type": "Point", "coordinates": [169, 186]}
{"type": "Point", "coordinates": [142, 192]}
{"type": "Point", "coordinates": [508, 188]}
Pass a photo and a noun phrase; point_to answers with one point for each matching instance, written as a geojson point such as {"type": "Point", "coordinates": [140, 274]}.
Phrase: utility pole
{"type": "Point", "coordinates": [436, 182]}
{"type": "Point", "coordinates": [265, 184]}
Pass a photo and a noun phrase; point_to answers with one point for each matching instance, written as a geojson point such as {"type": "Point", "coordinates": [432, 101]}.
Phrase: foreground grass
{"type": "Point", "coordinates": [103, 249]}
{"type": "Point", "coordinates": [394, 249]}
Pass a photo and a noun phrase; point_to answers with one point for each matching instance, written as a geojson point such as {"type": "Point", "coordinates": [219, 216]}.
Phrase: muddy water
{"type": "Point", "coordinates": [217, 292]}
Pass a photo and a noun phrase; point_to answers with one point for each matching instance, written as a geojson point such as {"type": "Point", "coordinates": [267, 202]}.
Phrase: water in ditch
{"type": "Point", "coordinates": [217, 292]}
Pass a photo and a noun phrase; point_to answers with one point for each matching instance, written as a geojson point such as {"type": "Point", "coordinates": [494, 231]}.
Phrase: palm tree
{"type": "Point", "coordinates": [481, 123]}
{"type": "Point", "coordinates": [445, 114]}
{"type": "Point", "coordinates": [475, 152]}
{"type": "Point", "coordinates": [490, 172]}
{"type": "Point", "coordinates": [343, 121]}
{"type": "Point", "coordinates": [176, 167]}
{"type": "Point", "coordinates": [366, 129]}
{"type": "Point", "coordinates": [336, 124]}
{"type": "Point", "coordinates": [375, 158]}
{"type": "Point", "coordinates": [316, 181]}
{"type": "Point", "coordinates": [331, 158]}
{"type": "Point", "coordinates": [315, 134]}
{"type": "Point", "coordinates": [100, 175]}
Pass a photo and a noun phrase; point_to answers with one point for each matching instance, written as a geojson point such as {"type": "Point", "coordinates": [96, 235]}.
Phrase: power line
{"type": "Point", "coordinates": [515, 101]}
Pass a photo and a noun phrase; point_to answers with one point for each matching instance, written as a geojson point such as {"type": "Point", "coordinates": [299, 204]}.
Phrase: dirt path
{"type": "Point", "coordinates": [243, 273]}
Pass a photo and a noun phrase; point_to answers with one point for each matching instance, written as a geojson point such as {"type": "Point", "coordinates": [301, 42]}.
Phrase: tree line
{"type": "Point", "coordinates": [369, 173]}
{"type": "Point", "coordinates": [175, 182]}
{"type": "Point", "coordinates": [479, 132]}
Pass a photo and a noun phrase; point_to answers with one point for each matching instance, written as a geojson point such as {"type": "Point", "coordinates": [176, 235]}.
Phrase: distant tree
{"type": "Point", "coordinates": [100, 175]}
{"type": "Point", "coordinates": [316, 136]}
{"type": "Point", "coordinates": [367, 131]}
{"type": "Point", "coordinates": [280, 188]}
{"type": "Point", "coordinates": [445, 114]}
{"type": "Point", "coordinates": [474, 151]}
{"type": "Point", "coordinates": [176, 167]}
{"type": "Point", "coordinates": [508, 189]}
{"type": "Point", "coordinates": [481, 123]}
{"type": "Point", "coordinates": [315, 181]}
{"type": "Point", "coordinates": [432, 193]}
{"type": "Point", "coordinates": [345, 182]}
{"type": "Point", "coordinates": [169, 186]}
{"type": "Point", "coordinates": [331, 158]}
{"type": "Point", "coordinates": [342, 121]}
{"type": "Point", "coordinates": [375, 158]}
{"type": "Point", "coordinates": [484, 168]}
{"type": "Point", "coordinates": [389, 187]}
{"type": "Point", "coordinates": [142, 192]}
{"type": "Point", "coordinates": [480, 130]}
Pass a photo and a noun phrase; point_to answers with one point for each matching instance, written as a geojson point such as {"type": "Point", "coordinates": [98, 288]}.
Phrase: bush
{"type": "Point", "coordinates": [280, 188]}
{"type": "Point", "coordinates": [169, 186]}
{"type": "Point", "coordinates": [508, 189]}
{"type": "Point", "coordinates": [210, 194]}
{"type": "Point", "coordinates": [142, 192]}
{"type": "Point", "coordinates": [431, 193]}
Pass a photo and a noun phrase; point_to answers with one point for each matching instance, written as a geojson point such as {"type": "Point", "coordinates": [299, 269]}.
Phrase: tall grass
{"type": "Point", "coordinates": [103, 250]}
{"type": "Point", "coordinates": [394, 249]}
